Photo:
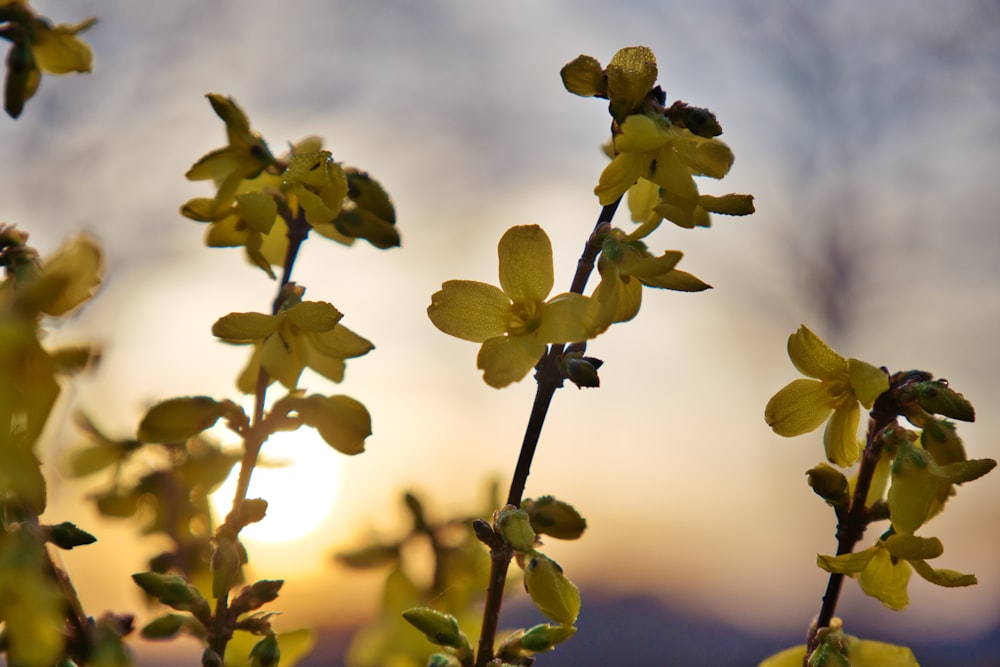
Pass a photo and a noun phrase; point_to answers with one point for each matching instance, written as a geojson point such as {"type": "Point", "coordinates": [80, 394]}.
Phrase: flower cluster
{"type": "Point", "coordinates": [260, 198]}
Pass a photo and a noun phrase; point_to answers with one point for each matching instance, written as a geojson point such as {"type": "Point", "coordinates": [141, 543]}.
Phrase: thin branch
{"type": "Point", "coordinates": [549, 379]}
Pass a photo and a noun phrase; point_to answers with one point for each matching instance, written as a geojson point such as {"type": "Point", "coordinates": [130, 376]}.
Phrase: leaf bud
{"type": "Point", "coordinates": [66, 536]}
{"type": "Point", "coordinates": [829, 484]}
{"type": "Point", "coordinates": [256, 595]}
{"type": "Point", "coordinates": [552, 592]}
{"type": "Point", "coordinates": [582, 371]}
{"type": "Point", "coordinates": [443, 660]}
{"type": "Point", "coordinates": [210, 658]}
{"type": "Point", "coordinates": [515, 527]}
{"type": "Point", "coordinates": [164, 627]}
{"type": "Point", "coordinates": [440, 629]}
{"type": "Point", "coordinates": [936, 397]}
{"type": "Point", "coordinates": [544, 637]}
{"type": "Point", "coordinates": [368, 557]}
{"type": "Point", "coordinates": [227, 559]}
{"type": "Point", "coordinates": [266, 652]}
{"type": "Point", "coordinates": [252, 510]}
{"type": "Point", "coordinates": [171, 590]}
{"type": "Point", "coordinates": [553, 517]}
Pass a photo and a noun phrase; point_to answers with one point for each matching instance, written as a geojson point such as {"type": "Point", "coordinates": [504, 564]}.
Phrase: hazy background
{"type": "Point", "coordinates": [869, 134]}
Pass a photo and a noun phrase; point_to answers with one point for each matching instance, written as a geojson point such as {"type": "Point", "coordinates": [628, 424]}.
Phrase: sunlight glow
{"type": "Point", "coordinates": [299, 479]}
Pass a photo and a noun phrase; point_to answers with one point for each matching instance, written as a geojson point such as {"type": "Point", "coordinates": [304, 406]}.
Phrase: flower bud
{"type": "Point", "coordinates": [266, 652]}
{"type": "Point", "coordinates": [936, 397]}
{"type": "Point", "coordinates": [544, 637]}
{"type": "Point", "coordinates": [515, 527]}
{"type": "Point", "coordinates": [66, 536]}
{"type": "Point", "coordinates": [829, 484]}
{"type": "Point", "coordinates": [440, 629]}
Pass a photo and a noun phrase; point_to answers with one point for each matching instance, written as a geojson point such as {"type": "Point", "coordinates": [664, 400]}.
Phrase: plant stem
{"type": "Point", "coordinates": [852, 528]}
{"type": "Point", "coordinates": [255, 435]}
{"type": "Point", "coordinates": [549, 379]}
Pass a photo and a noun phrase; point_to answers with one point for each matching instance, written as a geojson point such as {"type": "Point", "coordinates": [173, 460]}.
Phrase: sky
{"type": "Point", "coordinates": [869, 136]}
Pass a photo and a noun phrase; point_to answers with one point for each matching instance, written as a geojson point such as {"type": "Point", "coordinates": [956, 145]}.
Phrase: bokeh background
{"type": "Point", "coordinates": [869, 134]}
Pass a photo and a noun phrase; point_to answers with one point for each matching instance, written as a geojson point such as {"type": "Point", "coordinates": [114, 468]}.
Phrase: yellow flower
{"type": "Point", "coordinates": [513, 322]}
{"type": "Point", "coordinates": [38, 46]}
{"type": "Point", "coordinates": [652, 147]}
{"type": "Point", "coordinates": [307, 333]}
{"type": "Point", "coordinates": [626, 265]}
{"type": "Point", "coordinates": [245, 157]}
{"type": "Point", "coordinates": [883, 570]}
{"type": "Point", "coordinates": [839, 385]}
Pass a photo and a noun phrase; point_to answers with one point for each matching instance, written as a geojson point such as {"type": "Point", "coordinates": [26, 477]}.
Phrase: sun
{"type": "Point", "coordinates": [298, 479]}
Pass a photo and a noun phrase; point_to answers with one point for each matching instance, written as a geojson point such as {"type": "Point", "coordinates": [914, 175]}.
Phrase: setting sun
{"type": "Point", "coordinates": [298, 479]}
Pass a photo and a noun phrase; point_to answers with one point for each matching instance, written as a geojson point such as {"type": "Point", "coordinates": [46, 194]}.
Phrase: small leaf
{"type": "Point", "coordinates": [66, 536]}
{"type": "Point", "coordinates": [266, 652]}
{"type": "Point", "coordinates": [369, 557]}
{"type": "Point", "coordinates": [936, 397]}
{"type": "Point", "coordinates": [343, 422]}
{"type": "Point", "coordinates": [544, 637]}
{"type": "Point", "coordinates": [553, 517]}
{"type": "Point", "coordinates": [165, 627]}
{"type": "Point", "coordinates": [178, 419]}
{"type": "Point", "coordinates": [552, 592]}
{"type": "Point", "coordinates": [440, 629]}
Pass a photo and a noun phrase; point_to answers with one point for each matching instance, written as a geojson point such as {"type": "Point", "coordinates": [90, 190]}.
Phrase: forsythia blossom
{"type": "Point", "coordinates": [837, 387]}
{"type": "Point", "coordinates": [513, 322]}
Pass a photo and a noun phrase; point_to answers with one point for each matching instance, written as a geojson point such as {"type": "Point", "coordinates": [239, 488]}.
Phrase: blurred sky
{"type": "Point", "coordinates": [869, 134]}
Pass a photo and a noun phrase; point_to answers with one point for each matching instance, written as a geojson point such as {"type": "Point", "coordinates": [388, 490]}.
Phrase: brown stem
{"type": "Point", "coordinates": [549, 379]}
{"type": "Point", "coordinates": [256, 434]}
{"type": "Point", "coordinates": [852, 528]}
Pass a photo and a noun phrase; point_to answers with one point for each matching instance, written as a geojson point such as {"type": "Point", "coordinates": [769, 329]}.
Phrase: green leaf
{"type": "Point", "coordinates": [66, 536]}
{"type": "Point", "coordinates": [165, 627]}
{"type": "Point", "coordinates": [552, 592]}
{"type": "Point", "coordinates": [369, 557]}
{"type": "Point", "coordinates": [440, 629]}
{"type": "Point", "coordinates": [936, 397]}
{"type": "Point", "coordinates": [171, 590]}
{"type": "Point", "coordinates": [553, 517]}
{"type": "Point", "coordinates": [544, 637]}
{"type": "Point", "coordinates": [178, 419]}
{"type": "Point", "coordinates": [343, 422]}
{"type": "Point", "coordinates": [964, 471]}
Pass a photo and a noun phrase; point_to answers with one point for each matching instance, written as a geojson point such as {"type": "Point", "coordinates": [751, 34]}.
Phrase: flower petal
{"type": "Point", "coordinates": [886, 581]}
{"type": "Point", "coordinates": [841, 435]}
{"type": "Point", "coordinates": [508, 359]}
{"type": "Point", "coordinates": [470, 310]}
{"type": "Point", "coordinates": [812, 357]}
{"type": "Point", "coordinates": [799, 407]}
{"type": "Point", "coordinates": [620, 175]}
{"type": "Point", "coordinates": [867, 381]}
{"type": "Point", "coordinates": [566, 319]}
{"type": "Point", "coordinates": [526, 264]}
